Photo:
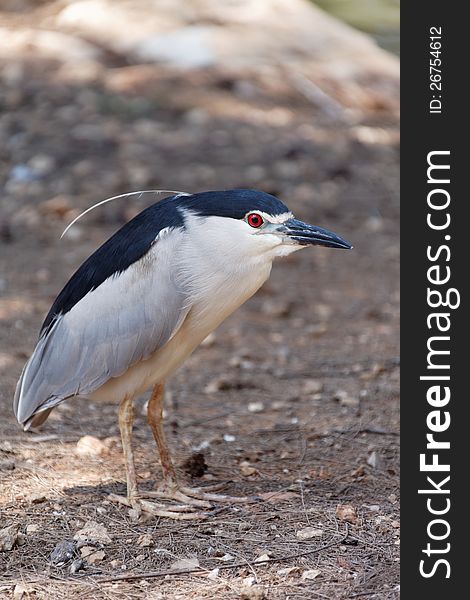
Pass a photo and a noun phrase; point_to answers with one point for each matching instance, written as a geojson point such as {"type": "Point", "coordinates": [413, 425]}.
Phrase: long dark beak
{"type": "Point", "coordinates": [306, 235]}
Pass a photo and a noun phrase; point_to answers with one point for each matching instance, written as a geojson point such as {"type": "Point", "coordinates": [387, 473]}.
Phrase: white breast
{"type": "Point", "coordinates": [215, 283]}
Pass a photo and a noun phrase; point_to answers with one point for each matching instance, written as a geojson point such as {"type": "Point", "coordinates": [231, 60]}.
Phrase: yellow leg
{"type": "Point", "coordinates": [170, 488]}
{"type": "Point", "coordinates": [155, 420]}
{"type": "Point", "coordinates": [133, 500]}
{"type": "Point", "coordinates": [126, 420]}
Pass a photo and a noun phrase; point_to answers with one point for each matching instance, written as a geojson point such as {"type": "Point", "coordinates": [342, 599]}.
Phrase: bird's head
{"type": "Point", "coordinates": [250, 224]}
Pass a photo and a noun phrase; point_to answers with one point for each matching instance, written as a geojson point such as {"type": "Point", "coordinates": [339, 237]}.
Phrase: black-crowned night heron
{"type": "Point", "coordinates": [137, 308]}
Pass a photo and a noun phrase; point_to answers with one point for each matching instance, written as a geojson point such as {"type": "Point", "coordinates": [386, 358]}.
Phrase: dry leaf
{"type": "Point", "coordinates": [275, 497]}
{"type": "Point", "coordinates": [308, 533]}
{"type": "Point", "coordinates": [145, 540]}
{"type": "Point", "coordinates": [262, 558]}
{"type": "Point", "coordinates": [93, 532]}
{"type": "Point", "coordinates": [346, 512]}
{"type": "Point", "coordinates": [288, 571]}
{"type": "Point", "coordinates": [184, 564]}
{"type": "Point", "coordinates": [95, 557]}
{"type": "Point", "coordinates": [22, 590]}
{"type": "Point", "coordinates": [214, 574]}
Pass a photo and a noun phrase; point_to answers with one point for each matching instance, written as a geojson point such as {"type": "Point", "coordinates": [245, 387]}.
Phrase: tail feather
{"type": "Point", "coordinates": [28, 411]}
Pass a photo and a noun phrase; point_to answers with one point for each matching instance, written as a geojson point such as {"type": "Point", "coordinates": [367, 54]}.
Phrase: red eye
{"type": "Point", "coordinates": [255, 220]}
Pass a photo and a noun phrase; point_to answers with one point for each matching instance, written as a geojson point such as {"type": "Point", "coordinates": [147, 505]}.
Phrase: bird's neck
{"type": "Point", "coordinates": [216, 287]}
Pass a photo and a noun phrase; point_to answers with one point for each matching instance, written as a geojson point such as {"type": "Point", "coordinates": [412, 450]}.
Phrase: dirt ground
{"type": "Point", "coordinates": [294, 398]}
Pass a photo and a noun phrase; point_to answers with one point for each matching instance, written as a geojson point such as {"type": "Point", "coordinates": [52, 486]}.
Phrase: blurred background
{"type": "Point", "coordinates": [299, 99]}
{"type": "Point", "coordinates": [379, 18]}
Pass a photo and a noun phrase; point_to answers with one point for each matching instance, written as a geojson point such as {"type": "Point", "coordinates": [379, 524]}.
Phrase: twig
{"type": "Point", "coordinates": [153, 574]}
{"type": "Point", "coordinates": [357, 594]}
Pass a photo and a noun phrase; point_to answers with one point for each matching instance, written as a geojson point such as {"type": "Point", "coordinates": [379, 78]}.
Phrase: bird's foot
{"type": "Point", "coordinates": [140, 509]}
{"type": "Point", "coordinates": [195, 496]}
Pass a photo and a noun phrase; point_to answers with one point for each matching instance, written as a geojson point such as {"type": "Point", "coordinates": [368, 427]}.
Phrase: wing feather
{"type": "Point", "coordinates": [121, 322]}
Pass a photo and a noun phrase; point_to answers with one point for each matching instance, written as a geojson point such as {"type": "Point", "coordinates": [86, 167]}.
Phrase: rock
{"type": "Point", "coordinates": [6, 446]}
{"type": "Point", "coordinates": [32, 528]}
{"type": "Point", "coordinates": [262, 558]}
{"type": "Point", "coordinates": [308, 533]}
{"type": "Point", "coordinates": [346, 512]}
{"type": "Point", "coordinates": [374, 460]}
{"type": "Point", "coordinates": [345, 399]}
{"type": "Point", "coordinates": [36, 498]}
{"type": "Point", "coordinates": [252, 592]}
{"type": "Point", "coordinates": [227, 558]}
{"type": "Point", "coordinates": [23, 590]}
{"type": "Point", "coordinates": [63, 552]}
{"type": "Point", "coordinates": [77, 565]}
{"type": "Point", "coordinates": [8, 538]}
{"type": "Point", "coordinates": [311, 574]}
{"type": "Point", "coordinates": [93, 532]}
{"type": "Point", "coordinates": [311, 386]}
{"type": "Point", "coordinates": [89, 445]}
{"type": "Point", "coordinates": [372, 507]}
{"type": "Point", "coordinates": [276, 308]}
{"type": "Point", "coordinates": [7, 465]}
{"type": "Point", "coordinates": [247, 470]}
{"type": "Point", "coordinates": [214, 574]}
{"type": "Point", "coordinates": [145, 540]}
{"type": "Point", "coordinates": [220, 384]}
{"type": "Point", "coordinates": [42, 164]}
{"type": "Point", "coordinates": [255, 407]}
{"type": "Point", "coordinates": [288, 571]}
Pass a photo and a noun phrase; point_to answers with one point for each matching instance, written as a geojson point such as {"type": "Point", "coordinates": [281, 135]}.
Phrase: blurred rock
{"type": "Point", "coordinates": [311, 386]}
{"type": "Point", "coordinates": [49, 44]}
{"type": "Point", "coordinates": [93, 532]}
{"type": "Point", "coordinates": [374, 460]}
{"type": "Point", "coordinates": [8, 538]}
{"type": "Point", "coordinates": [309, 533]}
{"type": "Point", "coordinates": [343, 62]}
{"type": "Point", "coordinates": [92, 555]}
{"type": "Point", "coordinates": [346, 399]}
{"type": "Point", "coordinates": [63, 553]}
{"type": "Point", "coordinates": [89, 445]}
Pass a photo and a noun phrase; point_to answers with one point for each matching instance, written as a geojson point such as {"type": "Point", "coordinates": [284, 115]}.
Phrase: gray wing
{"type": "Point", "coordinates": [126, 319]}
